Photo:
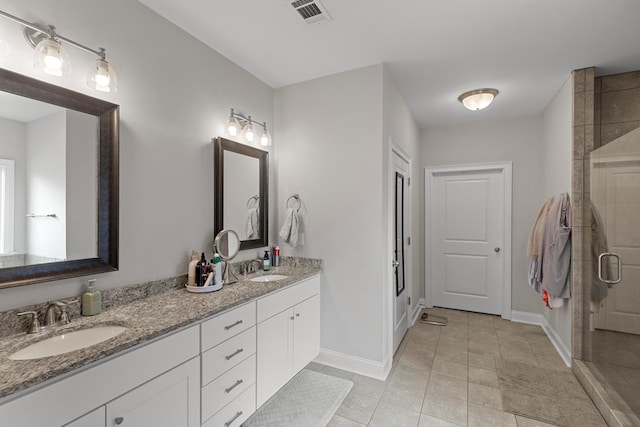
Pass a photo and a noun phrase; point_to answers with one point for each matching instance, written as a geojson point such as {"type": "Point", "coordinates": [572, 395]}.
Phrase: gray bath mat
{"type": "Point", "coordinates": [310, 399]}
{"type": "Point", "coordinates": [552, 396]}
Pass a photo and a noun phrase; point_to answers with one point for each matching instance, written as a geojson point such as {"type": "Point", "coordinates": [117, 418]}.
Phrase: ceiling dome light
{"type": "Point", "coordinates": [51, 58]}
{"type": "Point", "coordinates": [102, 76]}
{"type": "Point", "coordinates": [478, 99]}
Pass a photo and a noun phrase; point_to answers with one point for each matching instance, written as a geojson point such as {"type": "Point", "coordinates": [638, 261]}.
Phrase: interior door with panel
{"type": "Point", "coordinates": [400, 249]}
{"type": "Point", "coordinates": [466, 240]}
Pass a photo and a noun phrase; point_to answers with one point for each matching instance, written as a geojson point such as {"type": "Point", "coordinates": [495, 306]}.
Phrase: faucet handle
{"type": "Point", "coordinates": [35, 325]}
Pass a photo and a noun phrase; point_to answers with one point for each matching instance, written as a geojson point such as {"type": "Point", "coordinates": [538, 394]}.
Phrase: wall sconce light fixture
{"type": "Point", "coordinates": [478, 99]}
{"type": "Point", "coordinates": [51, 58]}
{"type": "Point", "coordinates": [239, 123]}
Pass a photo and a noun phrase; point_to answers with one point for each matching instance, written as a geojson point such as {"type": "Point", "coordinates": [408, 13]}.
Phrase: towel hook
{"type": "Point", "coordinates": [296, 197]}
{"type": "Point", "coordinates": [256, 198]}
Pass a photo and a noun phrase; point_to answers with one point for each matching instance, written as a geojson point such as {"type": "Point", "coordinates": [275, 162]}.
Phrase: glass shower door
{"type": "Point", "coordinates": [614, 240]}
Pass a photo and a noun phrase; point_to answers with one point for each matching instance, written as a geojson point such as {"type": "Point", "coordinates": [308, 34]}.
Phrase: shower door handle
{"type": "Point", "coordinates": [600, 259]}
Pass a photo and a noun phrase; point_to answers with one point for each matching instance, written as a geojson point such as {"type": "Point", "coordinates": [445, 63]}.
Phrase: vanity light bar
{"type": "Point", "coordinates": [51, 57]}
{"type": "Point", "coordinates": [240, 123]}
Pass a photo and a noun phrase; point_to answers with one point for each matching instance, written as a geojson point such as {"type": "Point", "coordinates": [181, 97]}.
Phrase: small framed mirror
{"type": "Point", "coordinates": [241, 194]}
{"type": "Point", "coordinates": [227, 245]}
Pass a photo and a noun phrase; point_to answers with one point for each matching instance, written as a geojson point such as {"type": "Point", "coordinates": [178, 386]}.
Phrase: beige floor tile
{"type": "Point", "coordinates": [417, 359]}
{"type": "Point", "coordinates": [447, 386]}
{"type": "Point", "coordinates": [406, 375]}
{"type": "Point", "coordinates": [481, 416]}
{"type": "Point", "coordinates": [522, 356]}
{"type": "Point", "coordinates": [485, 396]}
{"type": "Point", "coordinates": [338, 421]}
{"type": "Point", "coordinates": [453, 342]}
{"type": "Point", "coordinates": [389, 415]}
{"type": "Point", "coordinates": [329, 370]}
{"type": "Point", "coordinates": [483, 377]}
{"type": "Point", "coordinates": [484, 347]}
{"type": "Point", "coordinates": [367, 386]}
{"type": "Point", "coordinates": [429, 421]}
{"type": "Point", "coordinates": [404, 395]}
{"type": "Point", "coordinates": [445, 408]}
{"type": "Point", "coordinates": [484, 361]}
{"type": "Point", "coordinates": [451, 369]}
{"type": "Point", "coordinates": [453, 354]}
{"type": "Point", "coordinates": [357, 407]}
{"type": "Point", "coordinates": [528, 422]}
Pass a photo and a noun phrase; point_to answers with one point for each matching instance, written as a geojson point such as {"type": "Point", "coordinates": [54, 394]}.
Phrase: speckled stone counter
{"type": "Point", "coordinates": [146, 319]}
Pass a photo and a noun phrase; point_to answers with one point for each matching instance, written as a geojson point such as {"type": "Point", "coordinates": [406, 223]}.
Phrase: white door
{"type": "Point", "coordinates": [399, 262]}
{"type": "Point", "coordinates": [306, 332]}
{"type": "Point", "coordinates": [466, 238]}
{"type": "Point", "coordinates": [615, 193]}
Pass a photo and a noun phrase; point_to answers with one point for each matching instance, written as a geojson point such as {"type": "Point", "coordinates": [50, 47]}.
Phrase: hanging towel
{"type": "Point", "coordinates": [555, 253]}
{"type": "Point", "coordinates": [252, 229]}
{"type": "Point", "coordinates": [289, 231]}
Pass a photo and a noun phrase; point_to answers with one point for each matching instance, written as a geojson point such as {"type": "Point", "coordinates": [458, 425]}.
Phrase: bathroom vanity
{"type": "Point", "coordinates": [184, 360]}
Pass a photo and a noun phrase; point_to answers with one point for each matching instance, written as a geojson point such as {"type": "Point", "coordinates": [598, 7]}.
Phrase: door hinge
{"type": "Point", "coordinates": [408, 241]}
{"type": "Point", "coordinates": [408, 181]}
{"type": "Point", "coordinates": [409, 300]}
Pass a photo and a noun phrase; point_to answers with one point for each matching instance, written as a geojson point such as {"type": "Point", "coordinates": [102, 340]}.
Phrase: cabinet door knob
{"type": "Point", "coordinates": [297, 314]}
{"type": "Point", "coordinates": [119, 420]}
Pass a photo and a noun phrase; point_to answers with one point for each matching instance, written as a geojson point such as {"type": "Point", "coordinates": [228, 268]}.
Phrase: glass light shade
{"type": "Point", "coordinates": [249, 135]}
{"type": "Point", "coordinates": [233, 126]}
{"type": "Point", "coordinates": [265, 138]}
{"type": "Point", "coordinates": [102, 77]}
{"type": "Point", "coordinates": [479, 99]}
{"type": "Point", "coordinates": [51, 58]}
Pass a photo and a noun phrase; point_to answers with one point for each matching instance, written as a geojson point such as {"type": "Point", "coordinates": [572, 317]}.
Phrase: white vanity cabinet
{"type": "Point", "coordinates": [158, 381]}
{"type": "Point", "coordinates": [229, 367]}
{"type": "Point", "coordinates": [288, 335]}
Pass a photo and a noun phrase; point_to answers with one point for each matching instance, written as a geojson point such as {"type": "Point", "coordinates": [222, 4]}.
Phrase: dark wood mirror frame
{"type": "Point", "coordinates": [108, 182]}
{"type": "Point", "coordinates": [220, 146]}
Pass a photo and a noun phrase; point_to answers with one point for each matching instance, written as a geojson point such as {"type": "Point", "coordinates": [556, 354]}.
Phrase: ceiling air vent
{"type": "Point", "coordinates": [312, 11]}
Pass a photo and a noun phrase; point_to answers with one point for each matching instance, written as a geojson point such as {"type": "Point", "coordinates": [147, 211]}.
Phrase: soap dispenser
{"type": "Point", "coordinates": [266, 261]}
{"type": "Point", "coordinates": [91, 300]}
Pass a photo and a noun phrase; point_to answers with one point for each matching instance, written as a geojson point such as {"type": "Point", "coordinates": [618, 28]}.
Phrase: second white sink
{"type": "Point", "coordinates": [268, 278]}
{"type": "Point", "coordinates": [67, 342]}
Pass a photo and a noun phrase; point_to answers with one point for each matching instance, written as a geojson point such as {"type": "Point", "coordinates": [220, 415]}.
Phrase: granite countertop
{"type": "Point", "coordinates": [144, 319]}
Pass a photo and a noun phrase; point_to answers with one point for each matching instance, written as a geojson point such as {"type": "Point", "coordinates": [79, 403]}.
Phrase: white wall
{"type": "Point", "coordinates": [81, 189]}
{"type": "Point", "coordinates": [46, 186]}
{"type": "Point", "coordinates": [329, 151]}
{"type": "Point", "coordinates": [174, 96]}
{"type": "Point", "coordinates": [557, 160]}
{"type": "Point", "coordinates": [518, 141]}
{"type": "Point", "coordinates": [13, 147]}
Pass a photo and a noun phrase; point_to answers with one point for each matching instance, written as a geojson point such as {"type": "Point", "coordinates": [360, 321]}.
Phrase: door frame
{"type": "Point", "coordinates": [505, 169]}
{"type": "Point", "coordinates": [388, 289]}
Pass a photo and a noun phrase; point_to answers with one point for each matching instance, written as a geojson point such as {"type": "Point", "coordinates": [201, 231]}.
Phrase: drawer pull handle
{"type": "Point", "coordinates": [119, 420]}
{"type": "Point", "coordinates": [235, 353]}
{"type": "Point", "coordinates": [228, 390]}
{"type": "Point", "coordinates": [226, 328]}
{"type": "Point", "coordinates": [235, 417]}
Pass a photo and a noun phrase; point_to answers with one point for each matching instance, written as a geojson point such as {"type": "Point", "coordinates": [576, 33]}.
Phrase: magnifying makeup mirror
{"type": "Point", "coordinates": [227, 244]}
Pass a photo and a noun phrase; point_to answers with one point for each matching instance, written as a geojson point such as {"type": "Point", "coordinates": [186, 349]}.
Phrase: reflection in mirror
{"type": "Point", "coordinates": [59, 201]}
{"type": "Point", "coordinates": [241, 192]}
{"type": "Point", "coordinates": [49, 187]}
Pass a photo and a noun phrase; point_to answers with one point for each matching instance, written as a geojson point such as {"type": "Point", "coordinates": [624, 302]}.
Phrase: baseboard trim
{"type": "Point", "coordinates": [355, 364]}
{"type": "Point", "coordinates": [418, 308]}
{"type": "Point", "coordinates": [539, 319]}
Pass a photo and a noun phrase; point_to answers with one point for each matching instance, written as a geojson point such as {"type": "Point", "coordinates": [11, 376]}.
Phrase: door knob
{"type": "Point", "coordinates": [119, 420]}
{"type": "Point", "coordinates": [497, 249]}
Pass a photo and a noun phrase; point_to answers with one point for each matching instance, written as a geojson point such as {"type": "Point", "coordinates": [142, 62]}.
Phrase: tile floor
{"type": "Point", "coordinates": [445, 376]}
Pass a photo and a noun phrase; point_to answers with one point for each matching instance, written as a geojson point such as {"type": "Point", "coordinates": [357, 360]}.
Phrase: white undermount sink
{"type": "Point", "coordinates": [67, 342]}
{"type": "Point", "coordinates": [268, 278]}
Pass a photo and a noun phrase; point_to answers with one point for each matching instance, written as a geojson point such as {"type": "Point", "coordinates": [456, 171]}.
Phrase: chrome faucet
{"type": "Point", "coordinates": [250, 268]}
{"type": "Point", "coordinates": [50, 320]}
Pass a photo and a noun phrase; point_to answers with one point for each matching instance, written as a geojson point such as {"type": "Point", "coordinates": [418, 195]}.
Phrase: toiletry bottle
{"type": "Point", "coordinates": [266, 262]}
{"type": "Point", "coordinates": [192, 269]}
{"type": "Point", "coordinates": [217, 266]}
{"type": "Point", "coordinates": [201, 271]}
{"type": "Point", "coordinates": [91, 300]}
{"type": "Point", "coordinates": [276, 256]}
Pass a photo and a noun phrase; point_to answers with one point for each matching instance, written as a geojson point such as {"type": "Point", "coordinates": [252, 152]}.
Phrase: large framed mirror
{"type": "Point", "coordinates": [59, 182]}
{"type": "Point", "coordinates": [241, 192]}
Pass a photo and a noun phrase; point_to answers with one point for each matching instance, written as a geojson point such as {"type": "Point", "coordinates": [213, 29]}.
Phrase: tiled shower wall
{"type": "Point", "coordinates": [604, 108]}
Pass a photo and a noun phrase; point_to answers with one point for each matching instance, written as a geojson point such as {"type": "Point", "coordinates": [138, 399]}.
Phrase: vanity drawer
{"type": "Point", "coordinates": [236, 412]}
{"type": "Point", "coordinates": [228, 354]}
{"type": "Point", "coordinates": [227, 387]}
{"type": "Point", "coordinates": [279, 301]}
{"type": "Point", "coordinates": [226, 325]}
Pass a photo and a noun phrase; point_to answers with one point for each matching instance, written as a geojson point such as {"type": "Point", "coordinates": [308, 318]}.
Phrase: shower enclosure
{"type": "Point", "coordinates": [606, 242]}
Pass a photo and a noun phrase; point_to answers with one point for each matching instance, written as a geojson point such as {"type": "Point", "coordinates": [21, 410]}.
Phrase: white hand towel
{"type": "Point", "coordinates": [289, 230]}
{"type": "Point", "coordinates": [251, 223]}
